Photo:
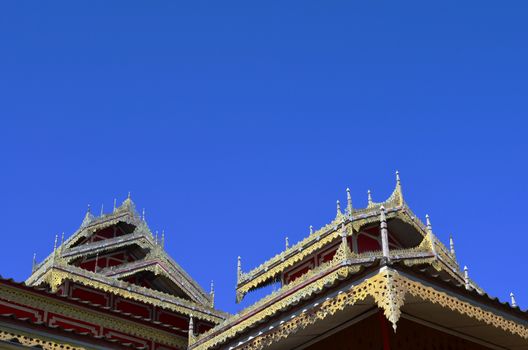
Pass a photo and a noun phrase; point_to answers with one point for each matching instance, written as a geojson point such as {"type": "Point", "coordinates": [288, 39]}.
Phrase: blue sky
{"type": "Point", "coordinates": [237, 123]}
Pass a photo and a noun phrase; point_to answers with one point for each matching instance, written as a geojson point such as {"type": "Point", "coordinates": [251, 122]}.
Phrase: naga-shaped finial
{"type": "Point", "coordinates": [512, 300]}
{"type": "Point", "coordinates": [349, 202]}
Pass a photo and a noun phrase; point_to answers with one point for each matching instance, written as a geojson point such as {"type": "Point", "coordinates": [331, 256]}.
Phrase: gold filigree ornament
{"type": "Point", "coordinates": [29, 341]}
{"type": "Point", "coordinates": [388, 289]}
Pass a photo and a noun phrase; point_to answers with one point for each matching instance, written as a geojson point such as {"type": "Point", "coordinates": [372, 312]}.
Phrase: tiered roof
{"type": "Point", "coordinates": [139, 269]}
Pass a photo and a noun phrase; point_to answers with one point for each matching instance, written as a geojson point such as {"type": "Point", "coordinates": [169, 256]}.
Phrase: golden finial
{"type": "Point", "coordinates": [369, 198]}
{"type": "Point", "coordinates": [349, 201]}
{"type": "Point", "coordinates": [102, 210]}
{"type": "Point", "coordinates": [115, 205]}
{"type": "Point", "coordinates": [287, 243]}
{"type": "Point", "coordinates": [311, 229]}
{"type": "Point", "coordinates": [34, 265]}
{"type": "Point", "coordinates": [338, 205]}
{"type": "Point", "coordinates": [512, 300]}
{"type": "Point", "coordinates": [163, 238]}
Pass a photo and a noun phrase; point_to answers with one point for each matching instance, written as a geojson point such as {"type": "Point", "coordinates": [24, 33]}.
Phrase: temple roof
{"type": "Point", "coordinates": [397, 213]}
{"type": "Point", "coordinates": [117, 252]}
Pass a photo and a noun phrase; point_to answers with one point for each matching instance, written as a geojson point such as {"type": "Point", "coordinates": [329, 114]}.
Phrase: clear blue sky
{"type": "Point", "coordinates": [235, 123]}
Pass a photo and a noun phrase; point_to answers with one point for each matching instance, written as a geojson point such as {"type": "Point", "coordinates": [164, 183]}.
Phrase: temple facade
{"type": "Point", "coordinates": [373, 278]}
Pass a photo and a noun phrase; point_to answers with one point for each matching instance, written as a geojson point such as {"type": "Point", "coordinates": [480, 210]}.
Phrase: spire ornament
{"type": "Point", "coordinates": [466, 278]}
{"type": "Point", "coordinates": [143, 214]}
{"type": "Point", "coordinates": [88, 217]}
{"type": "Point", "coordinates": [163, 238]}
{"type": "Point", "coordinates": [430, 235]}
{"type": "Point", "coordinates": [512, 300]}
{"type": "Point", "coordinates": [212, 293]}
{"type": "Point", "coordinates": [287, 243]}
{"type": "Point", "coordinates": [115, 205]}
{"type": "Point", "coordinates": [34, 264]}
{"type": "Point", "coordinates": [349, 202]}
{"type": "Point", "coordinates": [239, 268]}
{"type": "Point", "coordinates": [338, 207]}
{"type": "Point", "coordinates": [102, 210]}
{"type": "Point", "coordinates": [452, 246]}
{"type": "Point", "coordinates": [369, 199]}
{"type": "Point", "coordinates": [311, 229]}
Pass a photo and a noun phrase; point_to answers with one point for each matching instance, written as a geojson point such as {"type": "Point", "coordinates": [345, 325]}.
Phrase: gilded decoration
{"type": "Point", "coordinates": [388, 289]}
{"type": "Point", "coordinates": [31, 341]}
{"type": "Point", "coordinates": [91, 316]}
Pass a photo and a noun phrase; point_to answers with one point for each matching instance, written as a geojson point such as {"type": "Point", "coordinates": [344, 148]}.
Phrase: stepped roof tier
{"type": "Point", "coordinates": [117, 253]}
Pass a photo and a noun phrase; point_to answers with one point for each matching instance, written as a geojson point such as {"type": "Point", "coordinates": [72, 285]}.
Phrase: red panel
{"type": "Point", "coordinates": [7, 307]}
{"type": "Point", "coordinates": [367, 244]}
{"type": "Point", "coordinates": [133, 308]}
{"type": "Point", "coordinates": [125, 338]}
{"type": "Point", "coordinates": [70, 323]}
{"type": "Point", "coordinates": [173, 320]}
{"type": "Point", "coordinates": [90, 295]}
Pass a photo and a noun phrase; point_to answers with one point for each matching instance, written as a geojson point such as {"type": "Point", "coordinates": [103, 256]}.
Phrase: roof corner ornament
{"type": "Point", "coordinates": [311, 229]}
{"type": "Point", "coordinates": [34, 264]}
{"type": "Point", "coordinates": [349, 202]}
{"type": "Point", "coordinates": [55, 246]}
{"type": "Point", "coordinates": [466, 278]}
{"type": "Point", "coordinates": [287, 243]}
{"type": "Point", "coordinates": [398, 191]}
{"type": "Point", "coordinates": [512, 300]}
{"type": "Point", "coordinates": [369, 199]}
{"type": "Point", "coordinates": [384, 234]}
{"type": "Point", "coordinates": [430, 235]}
{"type": "Point", "coordinates": [88, 217]}
{"type": "Point", "coordinates": [239, 269]}
{"type": "Point", "coordinates": [212, 293]}
{"type": "Point", "coordinates": [452, 246]}
{"type": "Point", "coordinates": [338, 209]}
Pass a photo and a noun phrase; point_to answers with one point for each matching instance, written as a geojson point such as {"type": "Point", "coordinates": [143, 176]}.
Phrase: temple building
{"type": "Point", "coordinates": [373, 278]}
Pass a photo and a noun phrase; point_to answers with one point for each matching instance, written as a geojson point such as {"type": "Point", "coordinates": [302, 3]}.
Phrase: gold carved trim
{"type": "Point", "coordinates": [29, 341]}
{"type": "Point", "coordinates": [90, 316]}
{"type": "Point", "coordinates": [388, 289]}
